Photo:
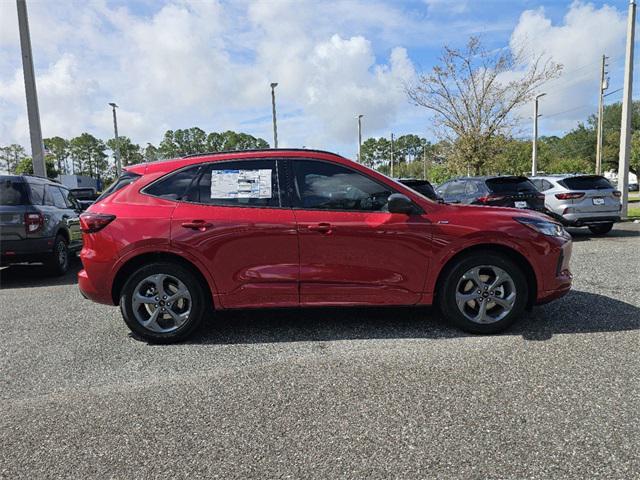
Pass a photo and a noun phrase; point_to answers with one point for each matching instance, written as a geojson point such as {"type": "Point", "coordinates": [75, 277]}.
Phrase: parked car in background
{"type": "Point", "coordinates": [423, 187]}
{"type": "Point", "coordinates": [633, 187]}
{"type": "Point", "coordinates": [497, 191]}
{"type": "Point", "coordinates": [581, 200]}
{"type": "Point", "coordinates": [172, 241]}
{"type": "Point", "coordinates": [85, 196]}
{"type": "Point", "coordinates": [39, 222]}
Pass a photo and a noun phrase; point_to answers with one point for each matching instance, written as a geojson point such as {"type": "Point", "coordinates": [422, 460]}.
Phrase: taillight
{"type": "Point", "coordinates": [616, 193]}
{"type": "Point", "coordinates": [33, 222]}
{"type": "Point", "coordinates": [94, 222]}
{"type": "Point", "coordinates": [569, 196]}
{"type": "Point", "coordinates": [540, 196]}
{"type": "Point", "coordinates": [491, 198]}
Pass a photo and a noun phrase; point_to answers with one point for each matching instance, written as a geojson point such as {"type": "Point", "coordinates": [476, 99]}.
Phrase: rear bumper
{"type": "Point", "coordinates": [575, 220]}
{"type": "Point", "coordinates": [89, 290]}
{"type": "Point", "coordinates": [27, 250]}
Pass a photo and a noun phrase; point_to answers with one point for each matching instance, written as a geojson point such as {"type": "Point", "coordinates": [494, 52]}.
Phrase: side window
{"type": "Point", "coordinates": [326, 186]}
{"type": "Point", "coordinates": [471, 189]}
{"type": "Point", "coordinates": [442, 189]}
{"type": "Point", "coordinates": [243, 183]}
{"type": "Point", "coordinates": [546, 185]}
{"type": "Point", "coordinates": [456, 188]}
{"type": "Point", "coordinates": [70, 199]}
{"type": "Point", "coordinates": [174, 186]}
{"type": "Point", "coordinates": [37, 193]}
{"type": "Point", "coordinates": [53, 196]}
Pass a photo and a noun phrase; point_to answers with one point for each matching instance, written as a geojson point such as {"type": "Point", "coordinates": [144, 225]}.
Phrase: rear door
{"type": "Point", "coordinates": [234, 220]}
{"type": "Point", "coordinates": [599, 195]}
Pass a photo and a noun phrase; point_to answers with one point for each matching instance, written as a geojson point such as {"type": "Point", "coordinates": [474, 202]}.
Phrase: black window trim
{"type": "Point", "coordinates": [196, 178]}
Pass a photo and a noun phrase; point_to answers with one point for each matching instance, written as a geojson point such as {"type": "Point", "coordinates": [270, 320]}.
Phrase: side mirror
{"type": "Point", "coordinates": [399, 203]}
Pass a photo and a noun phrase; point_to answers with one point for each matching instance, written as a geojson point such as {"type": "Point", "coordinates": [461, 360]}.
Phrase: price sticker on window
{"type": "Point", "coordinates": [229, 184]}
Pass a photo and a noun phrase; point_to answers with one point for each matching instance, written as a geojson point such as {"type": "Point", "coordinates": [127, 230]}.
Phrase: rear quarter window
{"type": "Point", "coordinates": [13, 193]}
{"type": "Point", "coordinates": [175, 185]}
{"type": "Point", "coordinates": [587, 182]}
{"type": "Point", "coordinates": [125, 179]}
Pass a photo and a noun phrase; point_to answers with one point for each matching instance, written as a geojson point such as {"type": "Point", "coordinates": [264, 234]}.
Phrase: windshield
{"type": "Point", "coordinates": [13, 193]}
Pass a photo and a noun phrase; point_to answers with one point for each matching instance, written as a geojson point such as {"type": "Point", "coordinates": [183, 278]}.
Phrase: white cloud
{"type": "Point", "coordinates": [578, 43]}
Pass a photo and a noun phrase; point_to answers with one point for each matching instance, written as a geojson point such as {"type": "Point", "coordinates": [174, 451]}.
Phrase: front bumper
{"type": "Point", "coordinates": [557, 282]}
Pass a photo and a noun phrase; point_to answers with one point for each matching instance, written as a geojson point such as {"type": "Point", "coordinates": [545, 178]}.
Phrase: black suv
{"type": "Point", "coordinates": [423, 187]}
{"type": "Point", "coordinates": [497, 191]}
{"type": "Point", "coordinates": [39, 222]}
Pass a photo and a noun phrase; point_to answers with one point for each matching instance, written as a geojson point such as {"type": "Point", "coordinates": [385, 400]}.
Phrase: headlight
{"type": "Point", "coordinates": [543, 226]}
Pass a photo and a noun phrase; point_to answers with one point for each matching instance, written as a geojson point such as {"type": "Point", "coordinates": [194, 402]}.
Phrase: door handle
{"type": "Point", "coordinates": [320, 227]}
{"type": "Point", "coordinates": [197, 225]}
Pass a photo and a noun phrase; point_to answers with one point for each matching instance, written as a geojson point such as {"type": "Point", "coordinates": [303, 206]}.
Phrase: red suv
{"type": "Point", "coordinates": [172, 241]}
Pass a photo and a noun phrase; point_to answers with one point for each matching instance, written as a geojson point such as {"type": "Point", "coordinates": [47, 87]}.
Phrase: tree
{"type": "Point", "coordinates": [57, 148]}
{"type": "Point", "coordinates": [130, 153]}
{"type": "Point", "coordinates": [472, 102]}
{"type": "Point", "coordinates": [25, 166]}
{"type": "Point", "coordinates": [88, 156]}
{"type": "Point", "coordinates": [179, 143]}
{"type": "Point", "coordinates": [11, 156]}
{"type": "Point", "coordinates": [151, 153]}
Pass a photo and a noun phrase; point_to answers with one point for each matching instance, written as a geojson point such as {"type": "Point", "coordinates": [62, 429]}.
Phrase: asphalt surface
{"type": "Point", "coordinates": [376, 393]}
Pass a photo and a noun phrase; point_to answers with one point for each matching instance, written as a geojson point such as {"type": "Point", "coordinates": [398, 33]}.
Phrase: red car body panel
{"type": "Point", "coordinates": [266, 257]}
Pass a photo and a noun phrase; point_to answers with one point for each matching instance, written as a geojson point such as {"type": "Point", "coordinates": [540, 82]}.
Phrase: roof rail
{"type": "Point", "coordinates": [40, 176]}
{"type": "Point", "coordinates": [259, 150]}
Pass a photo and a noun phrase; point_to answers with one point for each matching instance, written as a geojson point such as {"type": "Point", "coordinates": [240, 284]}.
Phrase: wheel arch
{"type": "Point", "coordinates": [512, 254]}
{"type": "Point", "coordinates": [132, 264]}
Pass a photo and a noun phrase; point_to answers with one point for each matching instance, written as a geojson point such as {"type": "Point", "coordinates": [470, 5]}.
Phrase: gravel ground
{"type": "Point", "coordinates": [393, 393]}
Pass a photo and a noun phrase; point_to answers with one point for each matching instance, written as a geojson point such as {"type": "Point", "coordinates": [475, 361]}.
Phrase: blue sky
{"type": "Point", "coordinates": [179, 63]}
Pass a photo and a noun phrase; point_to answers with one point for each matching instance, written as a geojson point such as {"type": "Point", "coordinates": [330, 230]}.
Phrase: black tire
{"type": "Point", "coordinates": [199, 303]}
{"type": "Point", "coordinates": [601, 229]}
{"type": "Point", "coordinates": [58, 261]}
{"type": "Point", "coordinates": [448, 288]}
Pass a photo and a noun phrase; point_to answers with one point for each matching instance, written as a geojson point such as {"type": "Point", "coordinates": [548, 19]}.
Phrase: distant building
{"type": "Point", "coordinates": [80, 181]}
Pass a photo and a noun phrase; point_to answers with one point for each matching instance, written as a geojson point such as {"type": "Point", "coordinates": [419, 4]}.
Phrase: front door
{"type": "Point", "coordinates": [353, 251]}
{"type": "Point", "coordinates": [233, 219]}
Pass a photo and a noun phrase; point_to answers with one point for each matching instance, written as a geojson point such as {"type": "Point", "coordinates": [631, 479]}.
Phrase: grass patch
{"type": "Point", "coordinates": [634, 212]}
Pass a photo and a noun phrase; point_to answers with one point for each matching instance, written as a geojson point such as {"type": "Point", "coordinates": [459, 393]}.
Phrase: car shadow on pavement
{"type": "Point", "coordinates": [35, 275]}
{"type": "Point", "coordinates": [578, 312]}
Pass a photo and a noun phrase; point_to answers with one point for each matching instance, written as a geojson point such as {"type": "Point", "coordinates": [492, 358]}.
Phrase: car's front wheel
{"type": "Point", "coordinates": [163, 302]}
{"type": "Point", "coordinates": [483, 293]}
{"type": "Point", "coordinates": [601, 229]}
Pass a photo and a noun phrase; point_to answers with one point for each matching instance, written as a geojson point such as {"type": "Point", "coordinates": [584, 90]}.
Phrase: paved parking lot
{"type": "Point", "coordinates": [327, 393]}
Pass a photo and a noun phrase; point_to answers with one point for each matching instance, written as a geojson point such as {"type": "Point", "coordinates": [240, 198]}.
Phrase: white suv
{"type": "Point", "coordinates": [581, 200]}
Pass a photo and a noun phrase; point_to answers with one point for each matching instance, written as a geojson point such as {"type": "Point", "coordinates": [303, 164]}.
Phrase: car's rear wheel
{"type": "Point", "coordinates": [163, 302]}
{"type": "Point", "coordinates": [58, 261]}
{"type": "Point", "coordinates": [601, 229]}
{"type": "Point", "coordinates": [483, 293]}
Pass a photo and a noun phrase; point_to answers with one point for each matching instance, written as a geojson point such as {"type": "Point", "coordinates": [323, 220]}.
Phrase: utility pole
{"type": "Point", "coordinates": [391, 156]}
{"type": "Point", "coordinates": [534, 151]}
{"type": "Point", "coordinates": [115, 130]}
{"type": "Point", "coordinates": [359, 117]}
{"type": "Point", "coordinates": [604, 84]}
{"type": "Point", "coordinates": [33, 112]}
{"type": "Point", "coordinates": [627, 107]}
{"type": "Point", "coordinates": [273, 110]}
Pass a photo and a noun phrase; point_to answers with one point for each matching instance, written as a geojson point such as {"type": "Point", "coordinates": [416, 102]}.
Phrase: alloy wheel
{"type": "Point", "coordinates": [161, 303]}
{"type": "Point", "coordinates": [485, 294]}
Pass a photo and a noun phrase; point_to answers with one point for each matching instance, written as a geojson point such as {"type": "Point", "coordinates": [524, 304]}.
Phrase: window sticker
{"type": "Point", "coordinates": [226, 184]}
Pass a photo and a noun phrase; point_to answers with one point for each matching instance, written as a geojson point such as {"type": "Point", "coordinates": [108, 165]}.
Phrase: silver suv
{"type": "Point", "coordinates": [581, 200]}
{"type": "Point", "coordinates": [39, 222]}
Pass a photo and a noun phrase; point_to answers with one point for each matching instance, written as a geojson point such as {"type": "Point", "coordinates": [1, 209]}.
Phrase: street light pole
{"type": "Point", "coordinates": [115, 129]}
{"type": "Point", "coordinates": [359, 117]}
{"type": "Point", "coordinates": [33, 112]}
{"type": "Point", "coordinates": [534, 152]}
{"type": "Point", "coordinates": [273, 109]}
{"type": "Point", "coordinates": [625, 124]}
{"type": "Point", "coordinates": [391, 156]}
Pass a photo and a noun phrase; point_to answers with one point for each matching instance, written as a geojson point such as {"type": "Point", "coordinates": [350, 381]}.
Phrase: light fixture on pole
{"type": "Point", "coordinates": [115, 131]}
{"type": "Point", "coordinates": [359, 117]}
{"type": "Point", "coordinates": [534, 152]}
{"type": "Point", "coordinates": [273, 109]}
{"type": "Point", "coordinates": [604, 84]}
